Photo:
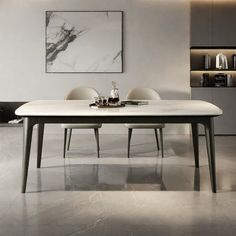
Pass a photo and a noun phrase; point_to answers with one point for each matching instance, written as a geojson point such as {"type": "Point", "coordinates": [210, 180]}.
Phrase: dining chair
{"type": "Point", "coordinates": [141, 93]}
{"type": "Point", "coordinates": [80, 93]}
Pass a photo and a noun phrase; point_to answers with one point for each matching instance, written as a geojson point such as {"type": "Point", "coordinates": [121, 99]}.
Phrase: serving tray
{"type": "Point", "coordinates": [93, 105]}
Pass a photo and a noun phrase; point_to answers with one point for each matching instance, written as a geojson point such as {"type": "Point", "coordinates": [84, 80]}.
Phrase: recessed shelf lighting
{"type": "Point", "coordinates": [212, 71]}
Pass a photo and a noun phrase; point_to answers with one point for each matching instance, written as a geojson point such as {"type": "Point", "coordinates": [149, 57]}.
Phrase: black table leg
{"type": "Point", "coordinates": [195, 143]}
{"type": "Point", "coordinates": [40, 144]}
{"type": "Point", "coordinates": [28, 128]}
{"type": "Point", "coordinates": [196, 179]}
{"type": "Point", "coordinates": [210, 142]}
{"type": "Point", "coordinates": [162, 144]}
{"type": "Point", "coordinates": [129, 138]}
{"type": "Point", "coordinates": [65, 142]}
{"type": "Point", "coordinates": [96, 132]}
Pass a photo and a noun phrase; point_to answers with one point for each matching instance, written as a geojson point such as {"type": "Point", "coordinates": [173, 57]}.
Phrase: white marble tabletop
{"type": "Point", "coordinates": [154, 108]}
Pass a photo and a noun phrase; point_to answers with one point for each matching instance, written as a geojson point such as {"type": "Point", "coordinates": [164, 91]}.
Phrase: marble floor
{"type": "Point", "coordinates": [113, 195]}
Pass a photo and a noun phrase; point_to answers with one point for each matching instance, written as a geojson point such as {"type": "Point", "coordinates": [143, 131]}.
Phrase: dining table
{"type": "Point", "coordinates": [193, 112]}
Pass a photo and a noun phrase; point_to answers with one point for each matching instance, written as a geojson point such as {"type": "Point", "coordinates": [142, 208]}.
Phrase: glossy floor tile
{"type": "Point", "coordinates": [114, 195]}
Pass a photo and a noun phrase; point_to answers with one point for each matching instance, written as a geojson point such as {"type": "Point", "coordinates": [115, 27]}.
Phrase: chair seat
{"type": "Point", "coordinates": [145, 126]}
{"type": "Point", "coordinates": [82, 126]}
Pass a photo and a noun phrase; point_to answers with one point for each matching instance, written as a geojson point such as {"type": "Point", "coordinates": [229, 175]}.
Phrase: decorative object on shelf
{"type": "Point", "coordinates": [205, 81]}
{"type": "Point", "coordinates": [221, 61]}
{"type": "Point", "coordinates": [207, 59]}
{"type": "Point", "coordinates": [84, 41]}
{"type": "Point", "coordinates": [220, 80]}
{"type": "Point", "coordinates": [212, 60]}
{"type": "Point", "coordinates": [230, 80]}
{"type": "Point", "coordinates": [234, 61]}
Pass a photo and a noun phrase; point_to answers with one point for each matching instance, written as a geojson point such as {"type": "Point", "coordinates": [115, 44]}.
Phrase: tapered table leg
{"type": "Point", "coordinates": [65, 141]}
{"type": "Point", "coordinates": [27, 133]}
{"type": "Point", "coordinates": [157, 141]}
{"type": "Point", "coordinates": [195, 143]}
{"type": "Point", "coordinates": [129, 139]}
{"type": "Point", "coordinates": [68, 144]}
{"type": "Point", "coordinates": [96, 132]}
{"type": "Point", "coordinates": [40, 144]}
{"type": "Point", "coordinates": [162, 145]}
{"type": "Point", "coordinates": [209, 130]}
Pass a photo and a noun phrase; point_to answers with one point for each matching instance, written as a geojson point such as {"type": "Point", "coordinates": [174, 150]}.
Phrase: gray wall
{"type": "Point", "coordinates": [156, 49]}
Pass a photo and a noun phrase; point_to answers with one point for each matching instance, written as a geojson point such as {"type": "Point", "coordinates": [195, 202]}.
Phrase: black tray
{"type": "Point", "coordinates": [93, 105]}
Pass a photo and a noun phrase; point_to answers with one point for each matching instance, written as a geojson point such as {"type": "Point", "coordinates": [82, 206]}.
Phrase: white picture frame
{"type": "Point", "coordinates": [84, 42]}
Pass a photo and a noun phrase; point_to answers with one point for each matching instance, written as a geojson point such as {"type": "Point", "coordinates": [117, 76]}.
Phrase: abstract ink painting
{"type": "Point", "coordinates": [84, 42]}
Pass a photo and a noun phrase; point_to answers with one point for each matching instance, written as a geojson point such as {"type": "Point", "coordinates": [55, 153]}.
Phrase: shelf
{"type": "Point", "coordinates": [7, 113]}
{"type": "Point", "coordinates": [213, 87]}
{"type": "Point", "coordinates": [213, 70]}
{"type": "Point", "coordinates": [3, 124]}
{"type": "Point", "coordinates": [212, 48]}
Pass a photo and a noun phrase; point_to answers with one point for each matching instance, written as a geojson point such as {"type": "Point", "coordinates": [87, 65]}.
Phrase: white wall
{"type": "Point", "coordinates": [156, 49]}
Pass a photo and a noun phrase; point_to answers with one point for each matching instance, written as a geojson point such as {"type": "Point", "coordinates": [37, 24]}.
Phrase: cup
{"type": "Point", "coordinates": [105, 100]}
{"type": "Point", "coordinates": [101, 101]}
{"type": "Point", "coordinates": [98, 100]}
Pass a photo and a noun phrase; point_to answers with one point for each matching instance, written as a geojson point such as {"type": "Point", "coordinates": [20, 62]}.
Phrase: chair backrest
{"type": "Point", "coordinates": [143, 93]}
{"type": "Point", "coordinates": [82, 93]}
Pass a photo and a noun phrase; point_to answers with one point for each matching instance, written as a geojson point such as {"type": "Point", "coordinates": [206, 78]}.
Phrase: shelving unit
{"type": "Point", "coordinates": [197, 63]}
{"type": "Point", "coordinates": [7, 113]}
{"type": "Point", "coordinates": [223, 97]}
{"type": "Point", "coordinates": [212, 31]}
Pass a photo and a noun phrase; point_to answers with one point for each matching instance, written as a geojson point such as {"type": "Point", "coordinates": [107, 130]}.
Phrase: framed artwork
{"type": "Point", "coordinates": [84, 41]}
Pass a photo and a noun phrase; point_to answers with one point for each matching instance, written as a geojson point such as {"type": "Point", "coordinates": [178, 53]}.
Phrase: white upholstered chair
{"type": "Point", "coordinates": [81, 93]}
{"type": "Point", "coordinates": [145, 94]}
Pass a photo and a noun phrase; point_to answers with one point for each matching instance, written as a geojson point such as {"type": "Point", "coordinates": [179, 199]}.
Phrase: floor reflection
{"type": "Point", "coordinates": [114, 177]}
{"type": "Point", "coordinates": [162, 176]}
{"type": "Point", "coordinates": [125, 178]}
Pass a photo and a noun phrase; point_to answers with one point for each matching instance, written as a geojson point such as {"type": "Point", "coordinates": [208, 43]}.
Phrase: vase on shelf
{"type": "Point", "coordinates": [221, 61]}
{"type": "Point", "coordinates": [207, 60]}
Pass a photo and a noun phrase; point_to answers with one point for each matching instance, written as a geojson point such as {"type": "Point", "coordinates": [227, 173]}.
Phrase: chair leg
{"type": "Point", "coordinates": [129, 138]}
{"type": "Point", "coordinates": [68, 145]}
{"type": "Point", "coordinates": [65, 140]}
{"type": "Point", "coordinates": [161, 137]}
{"type": "Point", "coordinates": [96, 132]}
{"type": "Point", "coordinates": [158, 147]}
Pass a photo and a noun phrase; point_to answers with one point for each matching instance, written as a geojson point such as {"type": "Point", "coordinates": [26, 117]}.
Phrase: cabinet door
{"type": "Point", "coordinates": [204, 94]}
{"type": "Point", "coordinates": [224, 23]}
{"type": "Point", "coordinates": [225, 99]}
{"type": "Point", "coordinates": [201, 13]}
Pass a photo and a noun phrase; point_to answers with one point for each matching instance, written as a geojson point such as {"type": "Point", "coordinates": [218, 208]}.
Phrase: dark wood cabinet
{"type": "Point", "coordinates": [224, 98]}
{"type": "Point", "coordinates": [213, 23]}
{"type": "Point", "coordinates": [224, 23]}
{"type": "Point", "coordinates": [201, 24]}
